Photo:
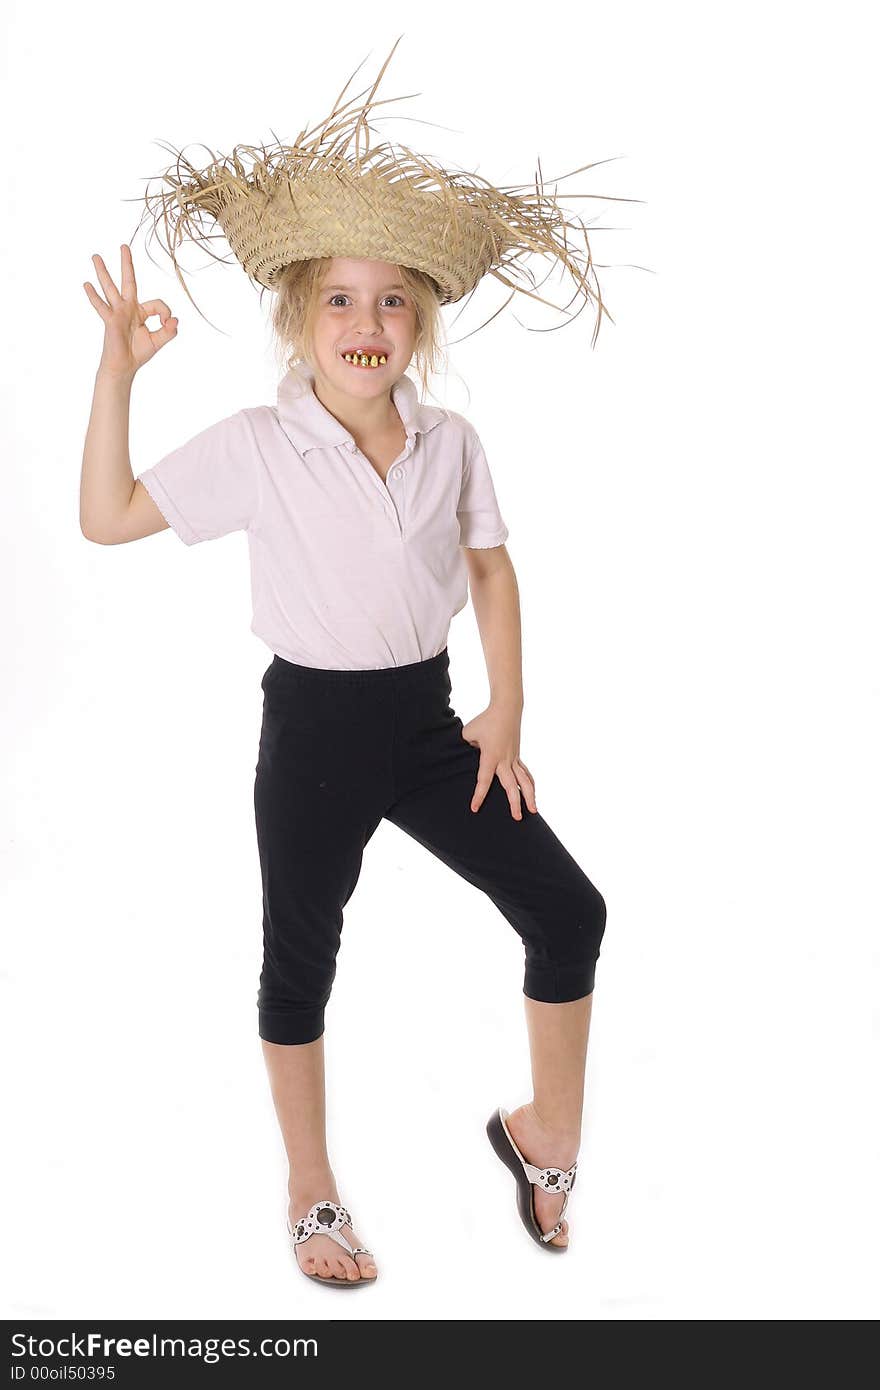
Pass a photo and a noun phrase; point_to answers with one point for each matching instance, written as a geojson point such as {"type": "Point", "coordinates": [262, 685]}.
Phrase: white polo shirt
{"type": "Point", "coordinates": [347, 571]}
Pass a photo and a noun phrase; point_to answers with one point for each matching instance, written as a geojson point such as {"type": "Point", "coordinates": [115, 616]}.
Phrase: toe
{"type": "Point", "coordinates": [365, 1265]}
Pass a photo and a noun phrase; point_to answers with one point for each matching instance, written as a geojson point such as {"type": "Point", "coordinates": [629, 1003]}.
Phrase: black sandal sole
{"type": "Point", "coordinates": [501, 1143]}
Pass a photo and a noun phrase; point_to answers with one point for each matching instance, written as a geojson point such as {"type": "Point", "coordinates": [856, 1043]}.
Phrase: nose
{"type": "Point", "coordinates": [368, 328]}
{"type": "Point", "coordinates": [367, 324]}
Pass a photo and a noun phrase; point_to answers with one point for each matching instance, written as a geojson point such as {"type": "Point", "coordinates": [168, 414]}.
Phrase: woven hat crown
{"type": "Point", "coordinates": [340, 211]}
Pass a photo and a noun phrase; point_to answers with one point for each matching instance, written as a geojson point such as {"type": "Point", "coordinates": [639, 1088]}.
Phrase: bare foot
{"type": "Point", "coordinates": [546, 1148]}
{"type": "Point", "coordinates": [322, 1255]}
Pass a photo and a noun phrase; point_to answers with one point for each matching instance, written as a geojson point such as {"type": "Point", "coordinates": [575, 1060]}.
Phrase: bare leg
{"type": "Point", "coordinates": [547, 1129]}
{"type": "Point", "coordinates": [296, 1076]}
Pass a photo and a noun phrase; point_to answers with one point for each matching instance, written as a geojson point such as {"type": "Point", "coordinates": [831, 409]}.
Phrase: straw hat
{"type": "Point", "coordinates": [319, 197]}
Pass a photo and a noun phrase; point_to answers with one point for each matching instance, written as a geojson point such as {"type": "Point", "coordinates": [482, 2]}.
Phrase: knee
{"type": "Point", "coordinates": [599, 913]}
{"type": "Point", "coordinates": [573, 924]}
{"type": "Point", "coordinates": [590, 915]}
{"type": "Point", "coordinates": [561, 955]}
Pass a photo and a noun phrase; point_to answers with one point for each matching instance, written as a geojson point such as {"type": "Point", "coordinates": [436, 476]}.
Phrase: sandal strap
{"type": "Point", "coordinates": [551, 1179]}
{"type": "Point", "coordinates": [324, 1219]}
{"type": "Point", "coordinates": [548, 1235]}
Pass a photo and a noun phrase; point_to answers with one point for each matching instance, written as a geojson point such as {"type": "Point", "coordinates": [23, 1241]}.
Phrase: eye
{"type": "Point", "coordinates": [333, 299]}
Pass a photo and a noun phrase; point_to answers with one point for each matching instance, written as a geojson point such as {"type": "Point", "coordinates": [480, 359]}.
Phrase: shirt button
{"type": "Point", "coordinates": [398, 472]}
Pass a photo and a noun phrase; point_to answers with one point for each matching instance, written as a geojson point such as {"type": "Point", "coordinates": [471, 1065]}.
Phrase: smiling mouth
{"type": "Point", "coordinates": [369, 361]}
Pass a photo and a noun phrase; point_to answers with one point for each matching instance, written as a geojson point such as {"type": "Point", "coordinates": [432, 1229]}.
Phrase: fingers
{"type": "Point", "coordinates": [527, 782]}
{"type": "Point", "coordinates": [129, 285]}
{"type": "Point", "coordinates": [516, 785]}
{"type": "Point", "coordinates": [511, 786]}
{"type": "Point", "coordinates": [160, 336]}
{"type": "Point", "coordinates": [484, 782]}
{"type": "Point", "coordinates": [97, 302]}
{"type": "Point", "coordinates": [168, 330]}
{"type": "Point", "coordinates": [114, 298]}
{"type": "Point", "coordinates": [154, 306]}
{"type": "Point", "coordinates": [150, 307]}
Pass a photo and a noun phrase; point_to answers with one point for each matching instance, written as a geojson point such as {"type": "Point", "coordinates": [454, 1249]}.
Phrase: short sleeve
{"type": "Point", "coordinates": [208, 486]}
{"type": "Point", "coordinates": [480, 522]}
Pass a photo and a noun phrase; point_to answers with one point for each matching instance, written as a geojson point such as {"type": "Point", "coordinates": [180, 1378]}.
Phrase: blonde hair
{"type": "Point", "coordinates": [296, 303]}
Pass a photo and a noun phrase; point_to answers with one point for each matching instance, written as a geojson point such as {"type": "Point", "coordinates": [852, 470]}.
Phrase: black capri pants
{"type": "Point", "coordinates": [339, 752]}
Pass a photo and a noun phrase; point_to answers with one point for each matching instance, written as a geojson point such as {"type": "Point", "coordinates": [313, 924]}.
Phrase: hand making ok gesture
{"type": "Point", "coordinates": [128, 343]}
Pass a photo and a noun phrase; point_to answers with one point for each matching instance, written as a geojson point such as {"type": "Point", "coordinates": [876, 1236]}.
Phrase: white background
{"type": "Point", "coordinates": [693, 519]}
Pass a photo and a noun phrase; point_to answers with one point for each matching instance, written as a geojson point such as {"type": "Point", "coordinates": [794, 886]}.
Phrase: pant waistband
{"type": "Point", "coordinates": [430, 669]}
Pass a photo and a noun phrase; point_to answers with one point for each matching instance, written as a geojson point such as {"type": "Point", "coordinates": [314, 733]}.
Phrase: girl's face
{"type": "Point", "coordinates": [363, 307]}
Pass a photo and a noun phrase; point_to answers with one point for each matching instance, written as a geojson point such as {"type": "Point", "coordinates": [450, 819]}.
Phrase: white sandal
{"type": "Point", "coordinates": [325, 1219]}
{"type": "Point", "coordinates": [528, 1174]}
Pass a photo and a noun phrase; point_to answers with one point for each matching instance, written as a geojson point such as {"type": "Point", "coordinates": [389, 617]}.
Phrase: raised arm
{"type": "Point", "coordinates": [113, 508]}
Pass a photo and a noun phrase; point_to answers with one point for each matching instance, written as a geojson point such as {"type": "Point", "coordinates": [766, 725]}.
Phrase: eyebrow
{"type": "Point", "coordinates": [354, 287]}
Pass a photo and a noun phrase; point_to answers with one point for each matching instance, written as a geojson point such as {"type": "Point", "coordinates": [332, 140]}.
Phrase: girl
{"type": "Point", "coordinates": [368, 514]}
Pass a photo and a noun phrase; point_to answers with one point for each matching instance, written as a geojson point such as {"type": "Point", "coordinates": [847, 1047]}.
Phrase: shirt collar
{"type": "Point", "coordinates": [309, 424]}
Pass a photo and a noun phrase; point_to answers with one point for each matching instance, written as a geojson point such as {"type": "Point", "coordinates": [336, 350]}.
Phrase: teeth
{"type": "Point", "coordinates": [361, 359]}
